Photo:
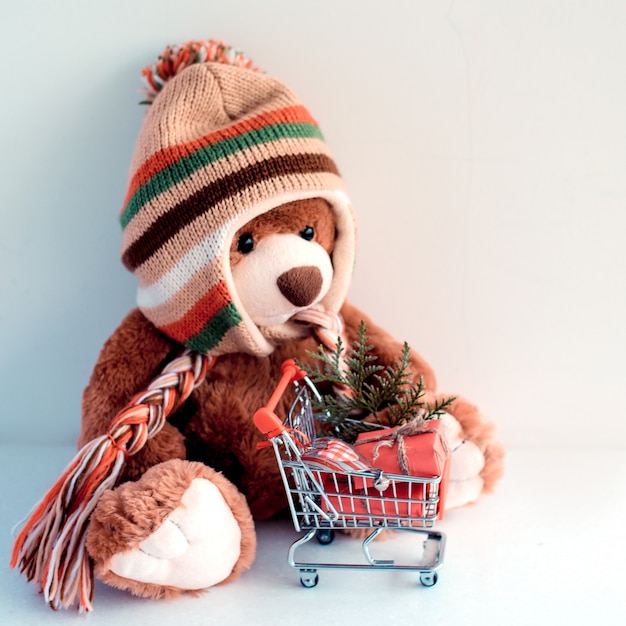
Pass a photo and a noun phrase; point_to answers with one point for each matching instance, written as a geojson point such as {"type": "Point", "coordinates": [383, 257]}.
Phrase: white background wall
{"type": "Point", "coordinates": [483, 143]}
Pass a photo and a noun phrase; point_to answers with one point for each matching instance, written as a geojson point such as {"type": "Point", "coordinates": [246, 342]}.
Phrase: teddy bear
{"type": "Point", "coordinates": [239, 230]}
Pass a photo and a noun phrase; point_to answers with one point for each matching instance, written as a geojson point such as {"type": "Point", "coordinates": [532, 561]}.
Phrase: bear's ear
{"type": "Point", "coordinates": [312, 218]}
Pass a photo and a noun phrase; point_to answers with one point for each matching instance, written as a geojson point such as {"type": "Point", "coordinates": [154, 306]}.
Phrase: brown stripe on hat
{"type": "Point", "coordinates": [154, 208]}
{"type": "Point", "coordinates": [206, 238]}
{"type": "Point", "coordinates": [170, 223]}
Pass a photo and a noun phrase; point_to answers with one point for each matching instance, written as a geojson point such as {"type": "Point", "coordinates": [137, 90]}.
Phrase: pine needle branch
{"type": "Point", "coordinates": [364, 389]}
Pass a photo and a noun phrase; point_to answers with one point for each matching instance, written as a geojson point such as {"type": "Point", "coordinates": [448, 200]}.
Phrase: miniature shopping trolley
{"type": "Point", "coordinates": [330, 487]}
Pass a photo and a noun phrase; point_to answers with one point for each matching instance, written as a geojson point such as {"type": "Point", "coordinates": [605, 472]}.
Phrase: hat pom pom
{"type": "Point", "coordinates": [174, 59]}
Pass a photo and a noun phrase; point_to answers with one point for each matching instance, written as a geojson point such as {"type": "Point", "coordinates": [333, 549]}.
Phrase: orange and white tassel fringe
{"type": "Point", "coordinates": [50, 549]}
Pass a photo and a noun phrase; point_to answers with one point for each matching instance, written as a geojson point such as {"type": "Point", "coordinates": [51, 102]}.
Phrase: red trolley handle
{"type": "Point", "coordinates": [264, 418]}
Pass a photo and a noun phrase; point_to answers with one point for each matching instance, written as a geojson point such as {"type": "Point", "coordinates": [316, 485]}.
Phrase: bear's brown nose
{"type": "Point", "coordinates": [301, 285]}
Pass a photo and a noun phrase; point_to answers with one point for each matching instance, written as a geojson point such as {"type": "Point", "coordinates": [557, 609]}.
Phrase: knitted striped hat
{"type": "Point", "coordinates": [221, 144]}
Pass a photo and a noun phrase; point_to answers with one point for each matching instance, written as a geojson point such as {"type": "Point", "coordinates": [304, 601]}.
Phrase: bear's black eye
{"type": "Point", "coordinates": [245, 243]}
{"type": "Point", "coordinates": [308, 233]}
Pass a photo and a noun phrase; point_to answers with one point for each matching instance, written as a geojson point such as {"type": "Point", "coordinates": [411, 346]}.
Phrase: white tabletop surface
{"type": "Point", "coordinates": [548, 548]}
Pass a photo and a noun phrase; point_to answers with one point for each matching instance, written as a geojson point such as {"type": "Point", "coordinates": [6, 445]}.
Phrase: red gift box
{"type": "Point", "coordinates": [404, 502]}
{"type": "Point", "coordinates": [414, 449]}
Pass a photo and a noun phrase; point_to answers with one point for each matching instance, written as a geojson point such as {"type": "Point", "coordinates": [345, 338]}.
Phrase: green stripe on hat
{"type": "Point", "coordinates": [169, 224]}
{"type": "Point", "coordinates": [215, 329]}
{"type": "Point", "coordinates": [186, 166]}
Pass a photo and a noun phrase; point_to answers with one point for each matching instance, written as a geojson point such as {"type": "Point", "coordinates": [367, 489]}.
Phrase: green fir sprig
{"type": "Point", "coordinates": [368, 395]}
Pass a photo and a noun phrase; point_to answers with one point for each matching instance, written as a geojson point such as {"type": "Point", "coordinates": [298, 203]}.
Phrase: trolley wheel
{"type": "Point", "coordinates": [309, 578]}
{"type": "Point", "coordinates": [428, 579]}
{"type": "Point", "coordinates": [325, 536]}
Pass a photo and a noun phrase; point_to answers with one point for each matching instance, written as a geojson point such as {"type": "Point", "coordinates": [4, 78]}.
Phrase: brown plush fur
{"type": "Point", "coordinates": [292, 217]}
{"type": "Point", "coordinates": [235, 387]}
{"type": "Point", "coordinates": [214, 427]}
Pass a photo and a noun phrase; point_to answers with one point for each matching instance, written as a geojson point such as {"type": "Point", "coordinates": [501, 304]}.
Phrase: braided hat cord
{"type": "Point", "coordinates": [50, 550]}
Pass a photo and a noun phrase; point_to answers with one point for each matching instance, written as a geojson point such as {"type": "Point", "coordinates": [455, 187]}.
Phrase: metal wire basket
{"type": "Point", "coordinates": [339, 495]}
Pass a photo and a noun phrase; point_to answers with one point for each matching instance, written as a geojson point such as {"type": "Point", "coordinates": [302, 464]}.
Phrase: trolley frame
{"type": "Point", "coordinates": [322, 500]}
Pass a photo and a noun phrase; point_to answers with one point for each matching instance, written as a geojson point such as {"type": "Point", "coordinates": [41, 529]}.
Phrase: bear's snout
{"type": "Point", "coordinates": [301, 285]}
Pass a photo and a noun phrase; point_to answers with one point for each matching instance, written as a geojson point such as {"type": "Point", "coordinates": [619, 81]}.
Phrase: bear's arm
{"type": "Point", "coordinates": [129, 360]}
{"type": "Point", "coordinates": [387, 348]}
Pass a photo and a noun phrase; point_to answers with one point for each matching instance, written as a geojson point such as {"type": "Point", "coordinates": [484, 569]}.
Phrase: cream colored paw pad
{"type": "Point", "coordinates": [196, 547]}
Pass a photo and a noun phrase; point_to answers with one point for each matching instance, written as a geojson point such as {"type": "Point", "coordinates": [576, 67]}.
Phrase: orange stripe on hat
{"type": "Point", "coordinates": [195, 319]}
{"type": "Point", "coordinates": [169, 155]}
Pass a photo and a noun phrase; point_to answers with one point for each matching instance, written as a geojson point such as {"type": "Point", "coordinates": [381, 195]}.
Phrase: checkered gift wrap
{"type": "Point", "coordinates": [328, 453]}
